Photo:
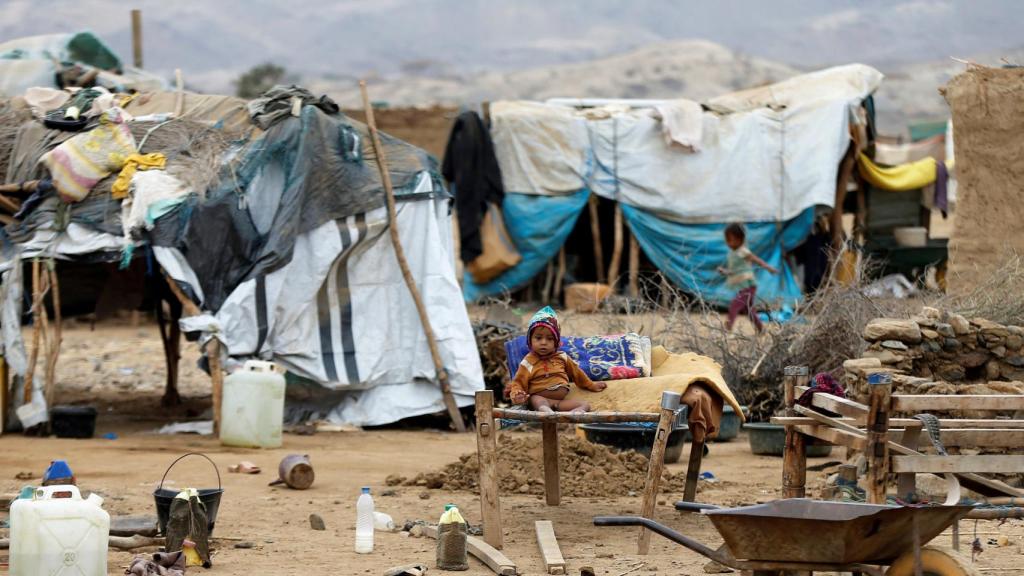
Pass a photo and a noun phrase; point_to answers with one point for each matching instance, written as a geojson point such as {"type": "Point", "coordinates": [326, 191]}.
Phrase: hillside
{"type": "Point", "coordinates": [694, 69]}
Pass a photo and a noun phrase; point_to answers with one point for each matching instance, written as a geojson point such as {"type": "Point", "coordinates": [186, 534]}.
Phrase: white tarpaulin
{"type": "Point", "coordinates": [339, 313]}
{"type": "Point", "coordinates": [763, 164]}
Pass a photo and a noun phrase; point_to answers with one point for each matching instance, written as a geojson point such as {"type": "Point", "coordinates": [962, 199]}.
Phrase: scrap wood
{"type": "Point", "coordinates": [483, 552]}
{"type": "Point", "coordinates": [551, 554]}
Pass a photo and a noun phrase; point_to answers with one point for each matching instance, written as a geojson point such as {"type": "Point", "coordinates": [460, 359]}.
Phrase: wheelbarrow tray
{"type": "Point", "coordinates": [811, 531]}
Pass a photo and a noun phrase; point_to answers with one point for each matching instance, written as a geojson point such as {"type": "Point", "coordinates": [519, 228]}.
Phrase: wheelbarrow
{"type": "Point", "coordinates": [809, 535]}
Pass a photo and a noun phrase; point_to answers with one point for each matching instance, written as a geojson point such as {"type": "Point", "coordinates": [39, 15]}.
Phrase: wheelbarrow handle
{"type": "Point", "coordinates": [665, 531]}
{"type": "Point", "coordinates": [684, 506]}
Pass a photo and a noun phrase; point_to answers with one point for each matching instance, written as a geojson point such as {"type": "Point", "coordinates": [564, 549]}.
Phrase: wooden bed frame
{"type": "Point", "coordinates": [486, 442]}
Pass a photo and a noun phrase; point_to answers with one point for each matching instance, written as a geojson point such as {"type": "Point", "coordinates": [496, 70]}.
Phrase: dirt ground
{"type": "Point", "coordinates": [120, 370]}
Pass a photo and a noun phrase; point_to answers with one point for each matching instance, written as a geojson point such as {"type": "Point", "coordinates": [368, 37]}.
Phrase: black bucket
{"type": "Point", "coordinates": [210, 497]}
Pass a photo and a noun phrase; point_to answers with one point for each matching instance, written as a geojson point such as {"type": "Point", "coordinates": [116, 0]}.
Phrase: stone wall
{"type": "Point", "coordinates": [939, 353]}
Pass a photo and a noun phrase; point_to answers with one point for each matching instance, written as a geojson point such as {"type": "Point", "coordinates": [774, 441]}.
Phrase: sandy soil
{"type": "Point", "coordinates": [275, 520]}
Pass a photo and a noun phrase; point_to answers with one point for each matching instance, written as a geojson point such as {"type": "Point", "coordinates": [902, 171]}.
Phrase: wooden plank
{"type": "Point", "coordinates": [842, 406]}
{"type": "Point", "coordinates": [896, 424]}
{"type": "Point", "coordinates": [493, 559]}
{"type": "Point", "coordinates": [487, 452]}
{"type": "Point", "coordinates": [980, 484]}
{"type": "Point", "coordinates": [991, 464]}
{"type": "Point", "coordinates": [833, 436]}
{"type": "Point", "coordinates": [552, 491]}
{"type": "Point", "coordinates": [942, 402]}
{"type": "Point", "coordinates": [877, 452]}
{"type": "Point", "coordinates": [551, 555]}
{"type": "Point", "coordinates": [993, 438]}
{"type": "Point", "coordinates": [906, 484]}
{"type": "Point", "coordinates": [655, 468]}
{"type": "Point", "coordinates": [575, 418]}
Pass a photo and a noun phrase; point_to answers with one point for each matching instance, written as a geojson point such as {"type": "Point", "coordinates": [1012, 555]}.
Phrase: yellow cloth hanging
{"type": "Point", "coordinates": [151, 161]}
{"type": "Point", "coordinates": [910, 176]}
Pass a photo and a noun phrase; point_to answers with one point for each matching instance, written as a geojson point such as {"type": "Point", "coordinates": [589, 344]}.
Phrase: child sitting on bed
{"type": "Point", "coordinates": [544, 375]}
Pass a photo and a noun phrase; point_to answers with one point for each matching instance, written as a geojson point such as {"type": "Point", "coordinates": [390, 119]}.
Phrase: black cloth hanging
{"type": "Point", "coordinates": [470, 164]}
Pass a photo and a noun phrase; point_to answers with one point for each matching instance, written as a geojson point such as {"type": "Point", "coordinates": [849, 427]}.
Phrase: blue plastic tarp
{"type": "Point", "coordinates": [690, 254]}
{"type": "Point", "coordinates": [538, 225]}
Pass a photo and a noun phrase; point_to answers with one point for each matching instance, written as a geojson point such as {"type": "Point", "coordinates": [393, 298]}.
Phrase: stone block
{"type": "Point", "coordinates": [880, 329]}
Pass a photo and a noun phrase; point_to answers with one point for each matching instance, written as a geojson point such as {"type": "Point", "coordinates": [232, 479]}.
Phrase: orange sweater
{"type": "Point", "coordinates": [536, 374]}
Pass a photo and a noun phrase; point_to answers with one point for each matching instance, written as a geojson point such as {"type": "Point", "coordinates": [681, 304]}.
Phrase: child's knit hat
{"type": "Point", "coordinates": [544, 317]}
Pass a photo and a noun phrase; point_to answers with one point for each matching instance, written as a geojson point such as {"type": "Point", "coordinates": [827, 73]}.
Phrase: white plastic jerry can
{"type": "Point", "coordinates": [252, 409]}
{"type": "Point", "coordinates": [58, 534]}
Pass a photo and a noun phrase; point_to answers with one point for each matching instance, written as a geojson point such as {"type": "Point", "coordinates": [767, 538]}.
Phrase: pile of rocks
{"type": "Point", "coordinates": [935, 347]}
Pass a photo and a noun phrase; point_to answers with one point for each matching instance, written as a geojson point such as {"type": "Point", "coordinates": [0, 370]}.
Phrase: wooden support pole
{"type": "Point", "coordinates": [634, 266]}
{"type": "Point", "coordinates": [616, 263]}
{"type": "Point", "coordinates": [53, 351]}
{"type": "Point", "coordinates": [595, 235]}
{"type": "Point", "coordinates": [879, 392]}
{"type": "Point", "coordinates": [216, 379]}
{"type": "Point", "coordinates": [693, 470]}
{"type": "Point", "coordinates": [794, 463]}
{"type": "Point", "coordinates": [487, 453]}
{"type": "Point", "coordinates": [137, 38]}
{"type": "Point", "coordinates": [560, 274]}
{"type": "Point", "coordinates": [549, 282]}
{"type": "Point", "coordinates": [4, 394]}
{"type": "Point", "coordinates": [845, 170]}
{"type": "Point", "coordinates": [179, 93]}
{"type": "Point", "coordinates": [656, 465]}
{"type": "Point", "coordinates": [552, 489]}
{"type": "Point", "coordinates": [37, 326]}
{"type": "Point", "coordinates": [410, 282]}
{"type": "Point", "coordinates": [212, 352]}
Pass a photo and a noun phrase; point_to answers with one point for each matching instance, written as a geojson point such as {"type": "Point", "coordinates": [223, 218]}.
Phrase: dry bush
{"type": "Point", "coordinates": [998, 297]}
{"type": "Point", "coordinates": [825, 331]}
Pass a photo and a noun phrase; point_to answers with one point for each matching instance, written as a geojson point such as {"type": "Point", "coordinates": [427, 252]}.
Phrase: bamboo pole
{"type": "Point", "coordinates": [410, 282]}
{"type": "Point", "coordinates": [595, 234]}
{"type": "Point", "coordinates": [613, 268]}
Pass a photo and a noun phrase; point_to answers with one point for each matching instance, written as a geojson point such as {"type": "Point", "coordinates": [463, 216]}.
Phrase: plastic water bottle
{"type": "Point", "coordinates": [364, 522]}
{"type": "Point", "coordinates": [383, 522]}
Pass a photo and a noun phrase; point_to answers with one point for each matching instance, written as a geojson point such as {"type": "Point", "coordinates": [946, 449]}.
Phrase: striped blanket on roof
{"type": "Point", "coordinates": [82, 161]}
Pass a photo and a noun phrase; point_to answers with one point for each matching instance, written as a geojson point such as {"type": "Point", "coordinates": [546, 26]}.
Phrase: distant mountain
{"type": "Point", "coordinates": [420, 51]}
{"type": "Point", "coordinates": [694, 69]}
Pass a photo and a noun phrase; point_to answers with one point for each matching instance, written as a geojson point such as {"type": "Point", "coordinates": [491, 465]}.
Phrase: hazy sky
{"type": "Point", "coordinates": [215, 39]}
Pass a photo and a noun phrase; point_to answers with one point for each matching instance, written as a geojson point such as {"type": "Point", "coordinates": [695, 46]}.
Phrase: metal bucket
{"type": "Point", "coordinates": [210, 497]}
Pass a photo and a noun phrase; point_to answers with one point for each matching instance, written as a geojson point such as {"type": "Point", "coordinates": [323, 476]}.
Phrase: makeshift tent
{"type": "Point", "coordinates": [279, 235]}
{"type": "Point", "coordinates": [42, 60]}
{"type": "Point", "coordinates": [767, 157]}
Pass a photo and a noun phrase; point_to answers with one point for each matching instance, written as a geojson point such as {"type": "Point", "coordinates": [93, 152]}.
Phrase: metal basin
{"type": "Point", "coordinates": [800, 530]}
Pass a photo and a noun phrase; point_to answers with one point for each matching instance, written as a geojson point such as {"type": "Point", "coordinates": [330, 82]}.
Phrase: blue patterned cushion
{"type": "Point", "coordinates": [600, 357]}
